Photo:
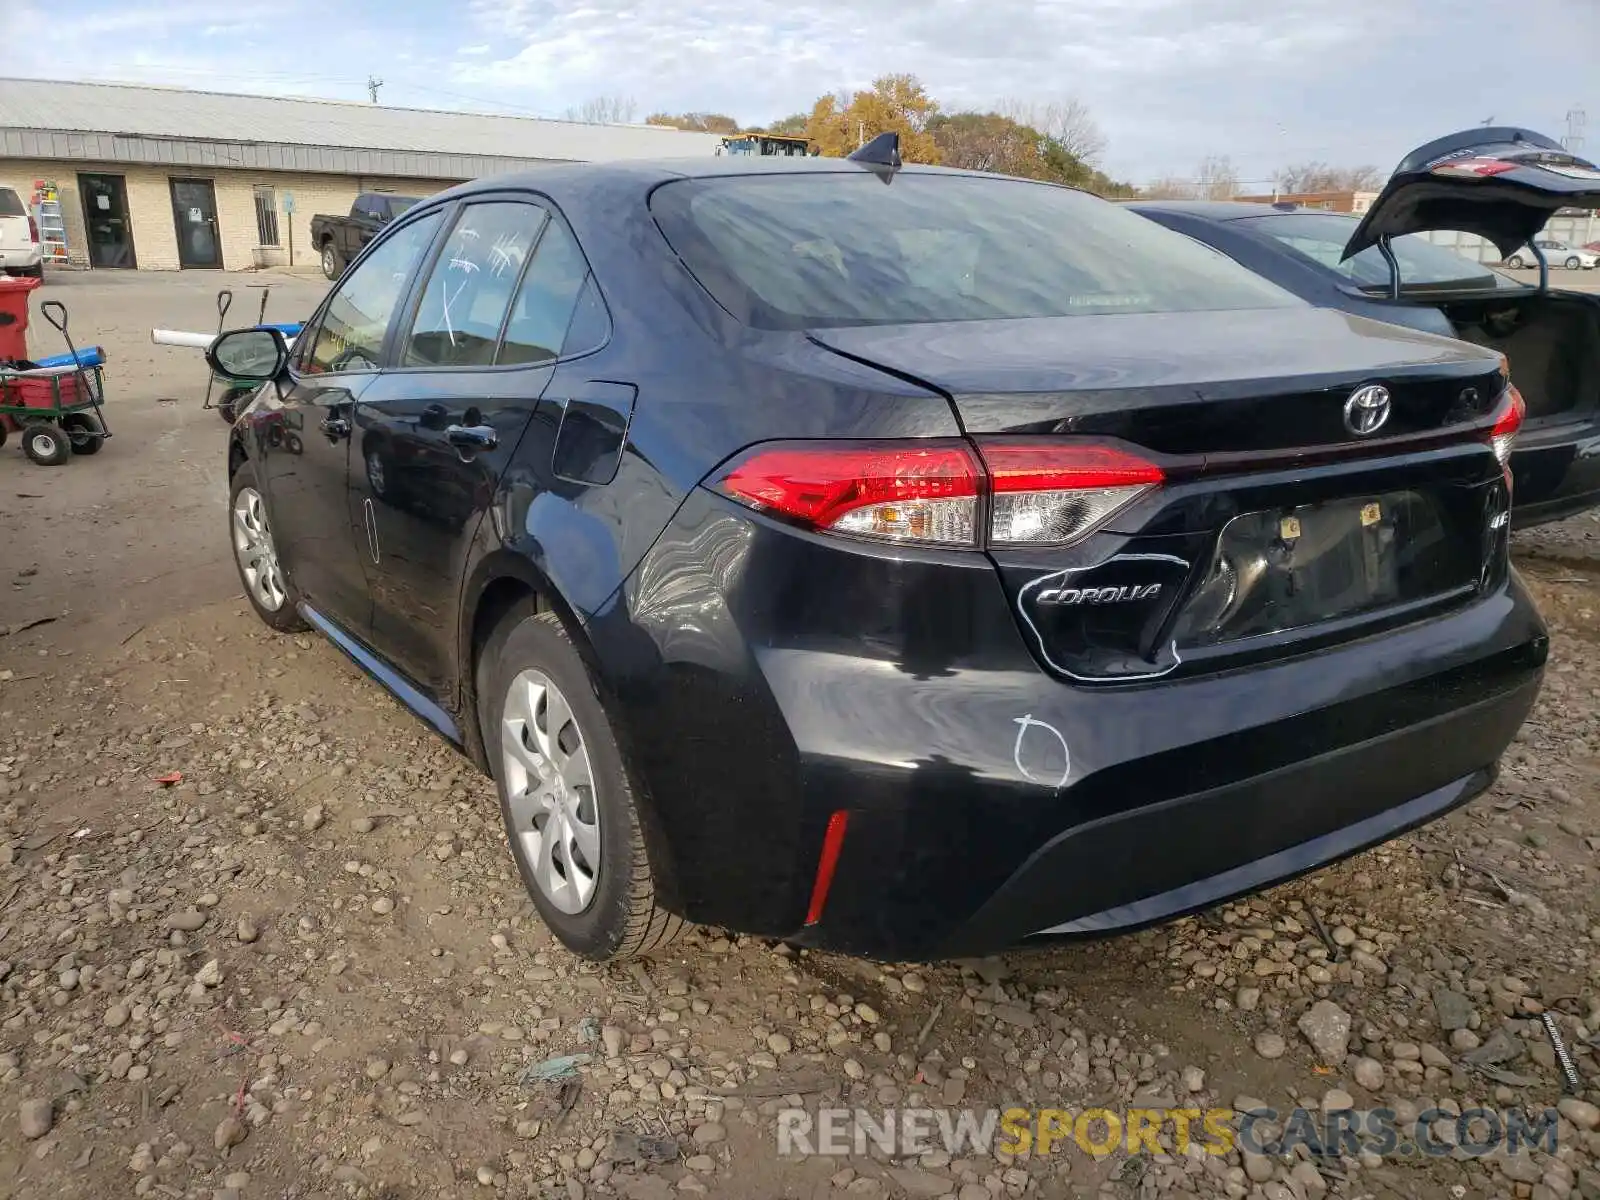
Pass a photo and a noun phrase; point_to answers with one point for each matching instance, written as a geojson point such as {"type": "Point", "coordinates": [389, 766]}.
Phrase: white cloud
{"type": "Point", "coordinates": [1171, 81]}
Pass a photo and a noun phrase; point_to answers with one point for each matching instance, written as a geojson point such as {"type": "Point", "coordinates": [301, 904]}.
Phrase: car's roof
{"type": "Point", "coordinates": [634, 173]}
{"type": "Point", "coordinates": [1227, 210]}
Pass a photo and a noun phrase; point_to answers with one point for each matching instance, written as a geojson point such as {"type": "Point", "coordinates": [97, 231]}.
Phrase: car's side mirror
{"type": "Point", "coordinates": [249, 355]}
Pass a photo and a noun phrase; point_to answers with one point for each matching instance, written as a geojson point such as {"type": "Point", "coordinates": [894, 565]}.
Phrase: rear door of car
{"type": "Point", "coordinates": [437, 430]}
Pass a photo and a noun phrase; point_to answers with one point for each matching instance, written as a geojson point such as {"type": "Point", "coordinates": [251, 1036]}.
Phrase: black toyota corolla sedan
{"type": "Point", "coordinates": [902, 561]}
{"type": "Point", "coordinates": [1502, 185]}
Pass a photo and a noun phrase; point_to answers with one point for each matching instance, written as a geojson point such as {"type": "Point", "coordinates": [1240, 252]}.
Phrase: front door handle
{"type": "Point", "coordinates": [472, 437]}
{"type": "Point", "coordinates": [335, 427]}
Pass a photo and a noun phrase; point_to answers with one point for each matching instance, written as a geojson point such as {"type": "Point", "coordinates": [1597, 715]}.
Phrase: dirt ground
{"type": "Point", "coordinates": [260, 935]}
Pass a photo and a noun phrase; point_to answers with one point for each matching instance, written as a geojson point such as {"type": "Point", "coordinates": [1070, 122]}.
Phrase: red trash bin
{"type": "Point", "coordinates": [14, 317]}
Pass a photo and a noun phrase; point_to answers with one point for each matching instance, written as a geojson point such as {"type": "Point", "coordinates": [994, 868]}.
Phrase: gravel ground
{"type": "Point", "coordinates": [261, 937]}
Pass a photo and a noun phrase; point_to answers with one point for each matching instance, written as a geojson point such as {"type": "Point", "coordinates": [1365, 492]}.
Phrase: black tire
{"type": "Point", "coordinates": [1574, 263]}
{"type": "Point", "coordinates": [46, 444]}
{"type": "Point", "coordinates": [85, 431]}
{"type": "Point", "coordinates": [3, 433]}
{"type": "Point", "coordinates": [285, 618]}
{"type": "Point", "coordinates": [332, 267]}
{"type": "Point", "coordinates": [1515, 262]}
{"type": "Point", "coordinates": [33, 272]}
{"type": "Point", "coordinates": [622, 919]}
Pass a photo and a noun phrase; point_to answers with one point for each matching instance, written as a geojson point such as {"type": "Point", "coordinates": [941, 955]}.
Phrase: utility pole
{"type": "Point", "coordinates": [373, 84]}
{"type": "Point", "coordinates": [1576, 120]}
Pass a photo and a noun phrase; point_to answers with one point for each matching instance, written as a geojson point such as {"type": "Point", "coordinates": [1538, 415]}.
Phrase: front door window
{"type": "Point", "coordinates": [350, 335]}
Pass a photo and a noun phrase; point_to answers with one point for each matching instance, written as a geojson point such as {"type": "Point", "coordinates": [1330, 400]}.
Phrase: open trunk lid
{"type": "Point", "coordinates": [1499, 183]}
{"type": "Point", "coordinates": [1270, 478]}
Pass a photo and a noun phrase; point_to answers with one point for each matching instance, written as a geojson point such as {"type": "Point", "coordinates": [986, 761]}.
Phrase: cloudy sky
{"type": "Point", "coordinates": [1267, 82]}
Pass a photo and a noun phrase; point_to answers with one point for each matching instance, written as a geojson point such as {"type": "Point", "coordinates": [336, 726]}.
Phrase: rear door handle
{"type": "Point", "coordinates": [335, 427]}
{"type": "Point", "coordinates": [472, 437]}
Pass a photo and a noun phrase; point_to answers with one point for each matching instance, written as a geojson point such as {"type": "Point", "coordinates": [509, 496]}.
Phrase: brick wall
{"type": "Point", "coordinates": [151, 215]}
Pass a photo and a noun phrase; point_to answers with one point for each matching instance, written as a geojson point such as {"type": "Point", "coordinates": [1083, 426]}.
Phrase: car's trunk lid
{"type": "Point", "coordinates": [1281, 516]}
{"type": "Point", "coordinates": [1209, 383]}
{"type": "Point", "coordinates": [1502, 184]}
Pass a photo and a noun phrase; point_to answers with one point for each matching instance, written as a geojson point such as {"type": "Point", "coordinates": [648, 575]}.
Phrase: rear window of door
{"type": "Point", "coordinates": [799, 251]}
{"type": "Point", "coordinates": [349, 336]}
{"type": "Point", "coordinates": [463, 308]}
{"type": "Point", "coordinates": [542, 325]}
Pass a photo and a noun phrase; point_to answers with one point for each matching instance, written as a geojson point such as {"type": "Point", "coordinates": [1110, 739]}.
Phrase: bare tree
{"type": "Point", "coordinates": [1216, 179]}
{"type": "Point", "coordinates": [604, 110]}
{"type": "Point", "coordinates": [1320, 177]}
{"type": "Point", "coordinates": [1068, 121]}
{"type": "Point", "coordinates": [1169, 187]}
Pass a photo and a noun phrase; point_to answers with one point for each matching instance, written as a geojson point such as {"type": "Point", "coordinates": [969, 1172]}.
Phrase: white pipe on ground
{"type": "Point", "coordinates": [190, 341]}
{"type": "Point", "coordinates": [178, 337]}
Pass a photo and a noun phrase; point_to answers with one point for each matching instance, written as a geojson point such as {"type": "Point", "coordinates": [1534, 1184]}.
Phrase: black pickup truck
{"type": "Point", "coordinates": [339, 239]}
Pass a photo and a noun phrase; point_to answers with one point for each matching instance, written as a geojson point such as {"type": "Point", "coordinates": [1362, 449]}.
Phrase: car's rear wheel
{"type": "Point", "coordinates": [1574, 263]}
{"type": "Point", "coordinates": [256, 554]}
{"type": "Point", "coordinates": [1515, 262]}
{"type": "Point", "coordinates": [330, 261]}
{"type": "Point", "coordinates": [565, 796]}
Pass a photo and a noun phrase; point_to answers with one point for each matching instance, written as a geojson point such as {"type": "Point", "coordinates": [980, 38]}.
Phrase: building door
{"type": "Point", "coordinates": [194, 211]}
{"type": "Point", "coordinates": [105, 217]}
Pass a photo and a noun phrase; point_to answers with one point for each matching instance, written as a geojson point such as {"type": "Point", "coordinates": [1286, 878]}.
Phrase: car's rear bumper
{"type": "Point", "coordinates": [766, 681]}
{"type": "Point", "coordinates": [1205, 847]}
{"type": "Point", "coordinates": [1556, 471]}
{"type": "Point", "coordinates": [23, 259]}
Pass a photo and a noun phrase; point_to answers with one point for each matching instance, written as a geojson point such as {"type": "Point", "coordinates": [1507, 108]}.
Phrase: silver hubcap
{"type": "Point", "coordinates": [550, 791]}
{"type": "Point", "coordinates": [252, 546]}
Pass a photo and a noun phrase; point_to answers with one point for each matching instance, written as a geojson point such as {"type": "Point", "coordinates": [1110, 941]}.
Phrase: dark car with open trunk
{"type": "Point", "coordinates": [1498, 184]}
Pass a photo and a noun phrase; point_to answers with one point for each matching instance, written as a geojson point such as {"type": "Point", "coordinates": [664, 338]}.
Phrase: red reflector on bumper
{"type": "Point", "coordinates": [832, 845]}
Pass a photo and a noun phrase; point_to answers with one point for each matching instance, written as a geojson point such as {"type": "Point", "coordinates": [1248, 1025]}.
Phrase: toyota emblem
{"type": "Point", "coordinates": [1367, 409]}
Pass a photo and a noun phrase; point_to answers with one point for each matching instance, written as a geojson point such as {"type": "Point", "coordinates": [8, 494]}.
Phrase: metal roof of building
{"type": "Point", "coordinates": [120, 122]}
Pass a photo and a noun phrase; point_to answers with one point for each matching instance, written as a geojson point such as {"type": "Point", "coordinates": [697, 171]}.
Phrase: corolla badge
{"type": "Point", "coordinates": [1367, 409]}
{"type": "Point", "coordinates": [1101, 595]}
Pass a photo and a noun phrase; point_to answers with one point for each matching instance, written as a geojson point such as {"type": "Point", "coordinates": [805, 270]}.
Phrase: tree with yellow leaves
{"type": "Point", "coordinates": [840, 123]}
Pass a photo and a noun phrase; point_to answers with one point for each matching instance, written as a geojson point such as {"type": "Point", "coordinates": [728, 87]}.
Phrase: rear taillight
{"type": "Point", "coordinates": [1479, 168]}
{"type": "Point", "coordinates": [900, 492]}
{"type": "Point", "coordinates": [931, 492]}
{"type": "Point", "coordinates": [1507, 421]}
{"type": "Point", "coordinates": [33, 230]}
{"type": "Point", "coordinates": [1050, 493]}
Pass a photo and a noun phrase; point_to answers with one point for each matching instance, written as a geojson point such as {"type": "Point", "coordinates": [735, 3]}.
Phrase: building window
{"type": "Point", "coordinates": [266, 216]}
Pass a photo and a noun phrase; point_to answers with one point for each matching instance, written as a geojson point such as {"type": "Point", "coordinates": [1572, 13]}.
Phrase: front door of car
{"type": "Point", "coordinates": [308, 420]}
{"type": "Point", "coordinates": [436, 431]}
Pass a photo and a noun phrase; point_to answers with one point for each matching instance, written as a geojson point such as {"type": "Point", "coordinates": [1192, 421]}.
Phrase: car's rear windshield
{"type": "Point", "coordinates": [11, 204]}
{"type": "Point", "coordinates": [1423, 265]}
{"type": "Point", "coordinates": [796, 251]}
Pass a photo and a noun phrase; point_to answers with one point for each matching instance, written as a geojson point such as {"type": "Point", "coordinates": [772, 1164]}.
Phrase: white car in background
{"type": "Point", "coordinates": [1557, 254]}
{"type": "Point", "coordinates": [20, 250]}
